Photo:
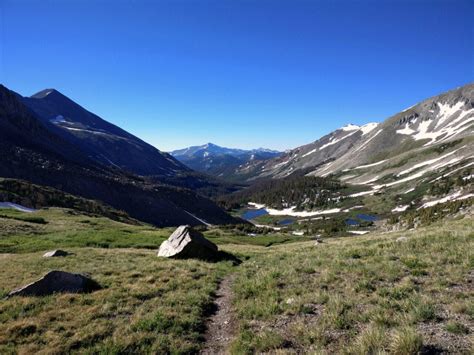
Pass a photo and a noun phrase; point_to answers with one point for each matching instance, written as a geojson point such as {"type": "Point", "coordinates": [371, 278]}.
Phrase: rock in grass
{"type": "Point", "coordinates": [55, 282]}
{"type": "Point", "coordinates": [401, 239]}
{"type": "Point", "coordinates": [55, 253]}
{"type": "Point", "coordinates": [186, 242]}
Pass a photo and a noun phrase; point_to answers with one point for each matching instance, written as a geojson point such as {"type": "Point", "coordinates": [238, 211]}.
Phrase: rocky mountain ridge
{"type": "Point", "coordinates": [33, 152]}
{"type": "Point", "coordinates": [434, 121]}
{"type": "Point", "coordinates": [220, 161]}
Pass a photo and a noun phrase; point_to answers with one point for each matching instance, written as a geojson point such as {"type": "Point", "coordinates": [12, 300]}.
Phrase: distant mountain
{"type": "Point", "coordinates": [99, 139]}
{"type": "Point", "coordinates": [415, 159]}
{"type": "Point", "coordinates": [435, 121]}
{"type": "Point", "coordinates": [39, 150]}
{"type": "Point", "coordinates": [220, 161]}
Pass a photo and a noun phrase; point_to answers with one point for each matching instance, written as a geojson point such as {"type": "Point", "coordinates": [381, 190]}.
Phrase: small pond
{"type": "Point", "coordinates": [362, 217]}
{"type": "Point", "coordinates": [254, 213]}
{"type": "Point", "coordinates": [367, 217]}
{"type": "Point", "coordinates": [352, 222]}
{"type": "Point", "coordinates": [286, 222]}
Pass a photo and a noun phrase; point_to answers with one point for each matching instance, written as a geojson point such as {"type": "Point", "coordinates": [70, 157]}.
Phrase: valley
{"type": "Point", "coordinates": [203, 177]}
{"type": "Point", "coordinates": [403, 292]}
{"type": "Point", "coordinates": [360, 242]}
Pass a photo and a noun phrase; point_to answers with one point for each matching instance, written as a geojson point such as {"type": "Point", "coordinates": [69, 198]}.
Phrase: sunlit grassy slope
{"type": "Point", "coordinates": [364, 294]}
{"type": "Point", "coordinates": [361, 295]}
{"type": "Point", "coordinates": [65, 228]}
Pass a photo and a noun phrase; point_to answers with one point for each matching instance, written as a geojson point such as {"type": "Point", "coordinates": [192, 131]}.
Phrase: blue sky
{"type": "Point", "coordinates": [237, 73]}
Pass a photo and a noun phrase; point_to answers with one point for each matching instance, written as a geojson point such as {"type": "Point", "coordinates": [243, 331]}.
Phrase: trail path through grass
{"type": "Point", "coordinates": [222, 324]}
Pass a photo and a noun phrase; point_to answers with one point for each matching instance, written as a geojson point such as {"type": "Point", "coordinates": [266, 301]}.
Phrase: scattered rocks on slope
{"type": "Point", "coordinates": [186, 242]}
{"type": "Point", "coordinates": [55, 253]}
{"type": "Point", "coordinates": [57, 281]}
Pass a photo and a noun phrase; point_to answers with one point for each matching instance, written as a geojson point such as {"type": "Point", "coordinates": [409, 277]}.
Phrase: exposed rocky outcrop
{"type": "Point", "coordinates": [186, 242]}
{"type": "Point", "coordinates": [436, 120]}
{"type": "Point", "coordinates": [57, 282]}
{"type": "Point", "coordinates": [55, 253]}
{"type": "Point", "coordinates": [39, 152]}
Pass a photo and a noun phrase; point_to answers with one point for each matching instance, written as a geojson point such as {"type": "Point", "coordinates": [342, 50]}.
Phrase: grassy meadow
{"type": "Point", "coordinates": [352, 295]}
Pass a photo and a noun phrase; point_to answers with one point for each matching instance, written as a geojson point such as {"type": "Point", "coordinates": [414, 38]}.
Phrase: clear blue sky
{"type": "Point", "coordinates": [237, 73]}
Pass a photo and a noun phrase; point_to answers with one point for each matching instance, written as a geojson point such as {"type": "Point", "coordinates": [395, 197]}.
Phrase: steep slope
{"type": "Point", "coordinates": [103, 141]}
{"type": "Point", "coordinates": [26, 194]}
{"type": "Point", "coordinates": [32, 152]}
{"type": "Point", "coordinates": [438, 120]}
{"type": "Point", "coordinates": [111, 146]}
{"type": "Point", "coordinates": [220, 161]}
{"type": "Point", "coordinates": [325, 149]}
{"type": "Point", "coordinates": [435, 121]}
{"type": "Point", "coordinates": [414, 161]}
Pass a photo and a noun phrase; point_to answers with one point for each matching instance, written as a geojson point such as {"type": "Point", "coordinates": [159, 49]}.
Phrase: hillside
{"type": "Point", "coordinates": [101, 140]}
{"type": "Point", "coordinates": [111, 146]}
{"type": "Point", "coordinates": [395, 170]}
{"type": "Point", "coordinates": [435, 121]}
{"type": "Point", "coordinates": [34, 196]}
{"type": "Point", "coordinates": [30, 151]}
{"type": "Point", "coordinates": [219, 161]}
{"type": "Point", "coordinates": [369, 294]}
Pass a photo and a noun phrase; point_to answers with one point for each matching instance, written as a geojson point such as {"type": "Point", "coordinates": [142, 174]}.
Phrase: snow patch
{"type": "Point", "coordinates": [334, 141]}
{"type": "Point", "coordinates": [363, 193]}
{"type": "Point", "coordinates": [256, 205]}
{"type": "Point", "coordinates": [453, 197]}
{"type": "Point", "coordinates": [441, 129]}
{"type": "Point", "coordinates": [426, 162]}
{"type": "Point", "coordinates": [291, 212]}
{"type": "Point", "coordinates": [370, 165]}
{"type": "Point", "coordinates": [16, 207]}
{"type": "Point", "coordinates": [269, 227]}
{"type": "Point", "coordinates": [368, 181]}
{"type": "Point", "coordinates": [400, 208]}
{"type": "Point", "coordinates": [280, 164]}
{"type": "Point", "coordinates": [199, 219]}
{"type": "Point", "coordinates": [350, 127]}
{"type": "Point", "coordinates": [407, 130]}
{"type": "Point", "coordinates": [369, 127]}
{"type": "Point", "coordinates": [359, 232]}
{"type": "Point", "coordinates": [58, 119]}
{"type": "Point", "coordinates": [367, 141]}
{"type": "Point", "coordinates": [310, 152]}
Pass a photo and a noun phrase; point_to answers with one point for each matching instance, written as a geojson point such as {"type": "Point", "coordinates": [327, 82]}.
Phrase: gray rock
{"type": "Point", "coordinates": [55, 253]}
{"type": "Point", "coordinates": [55, 282]}
{"type": "Point", "coordinates": [186, 242]}
{"type": "Point", "coordinates": [401, 239]}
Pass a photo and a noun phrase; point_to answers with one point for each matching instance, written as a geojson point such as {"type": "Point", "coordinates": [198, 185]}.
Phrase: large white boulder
{"type": "Point", "coordinates": [186, 242]}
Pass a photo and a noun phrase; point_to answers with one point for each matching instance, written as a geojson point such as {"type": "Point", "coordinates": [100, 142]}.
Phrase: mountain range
{"type": "Point", "coordinates": [102, 141]}
{"type": "Point", "coordinates": [418, 129]}
{"type": "Point", "coordinates": [417, 156]}
{"type": "Point", "coordinates": [414, 159]}
{"type": "Point", "coordinates": [220, 161]}
{"type": "Point", "coordinates": [49, 140]}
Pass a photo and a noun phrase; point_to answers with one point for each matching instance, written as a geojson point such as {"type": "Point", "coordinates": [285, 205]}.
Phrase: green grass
{"type": "Point", "coordinates": [30, 219]}
{"type": "Point", "coordinates": [362, 295]}
{"type": "Point", "coordinates": [148, 304]}
{"type": "Point", "coordinates": [357, 295]}
{"type": "Point", "coordinates": [66, 228]}
{"type": "Point", "coordinates": [62, 228]}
